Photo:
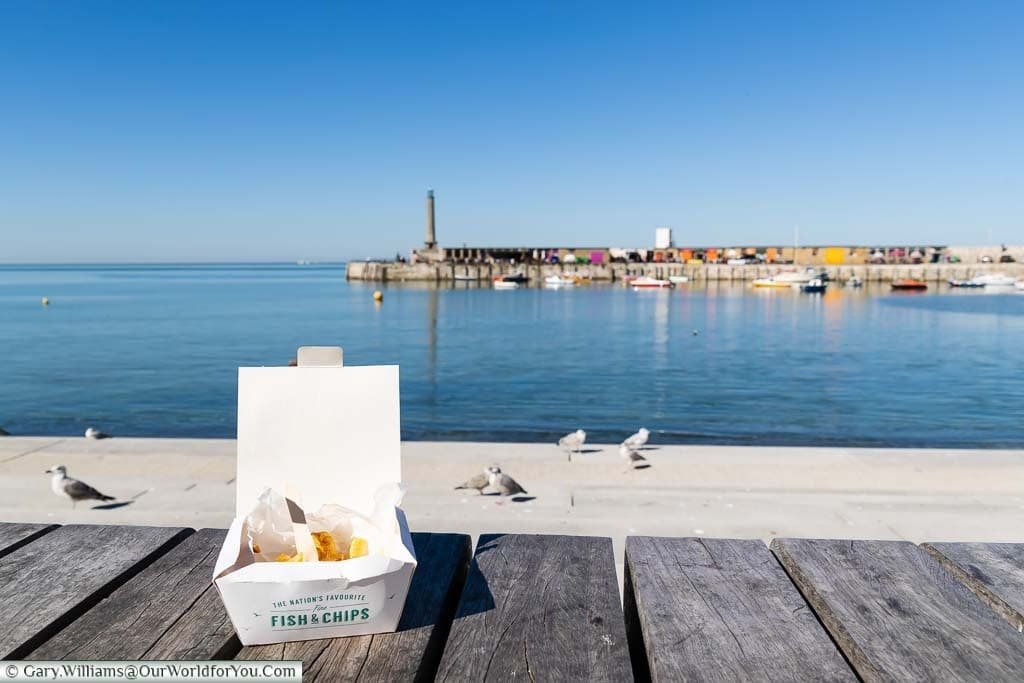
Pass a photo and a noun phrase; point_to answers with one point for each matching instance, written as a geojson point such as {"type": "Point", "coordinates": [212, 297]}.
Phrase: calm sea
{"type": "Point", "coordinates": [153, 351]}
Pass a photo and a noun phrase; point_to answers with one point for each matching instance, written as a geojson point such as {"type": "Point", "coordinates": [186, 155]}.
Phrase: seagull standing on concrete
{"type": "Point", "coordinates": [633, 458]}
{"type": "Point", "coordinates": [502, 483]}
{"type": "Point", "coordinates": [637, 441]}
{"type": "Point", "coordinates": [479, 482]}
{"type": "Point", "coordinates": [65, 486]}
{"type": "Point", "coordinates": [93, 433]}
{"type": "Point", "coordinates": [573, 441]}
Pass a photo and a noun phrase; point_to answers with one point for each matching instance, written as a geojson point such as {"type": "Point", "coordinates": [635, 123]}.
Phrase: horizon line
{"type": "Point", "coordinates": [176, 263]}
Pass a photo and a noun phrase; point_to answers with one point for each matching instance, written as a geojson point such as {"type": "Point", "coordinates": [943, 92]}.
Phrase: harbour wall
{"type": "Point", "coordinates": [377, 271]}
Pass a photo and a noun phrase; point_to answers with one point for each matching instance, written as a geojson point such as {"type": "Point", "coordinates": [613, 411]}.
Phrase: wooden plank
{"type": "Point", "coordinates": [169, 610]}
{"type": "Point", "coordinates": [897, 615]}
{"type": "Point", "coordinates": [994, 571]}
{"type": "Point", "coordinates": [539, 608]}
{"type": "Point", "coordinates": [712, 609]}
{"type": "Point", "coordinates": [15, 535]}
{"type": "Point", "coordinates": [411, 653]}
{"type": "Point", "coordinates": [203, 632]}
{"type": "Point", "coordinates": [48, 583]}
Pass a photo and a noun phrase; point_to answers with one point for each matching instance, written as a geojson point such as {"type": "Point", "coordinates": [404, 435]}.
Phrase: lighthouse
{"type": "Point", "coordinates": [429, 252]}
{"type": "Point", "coordinates": [431, 242]}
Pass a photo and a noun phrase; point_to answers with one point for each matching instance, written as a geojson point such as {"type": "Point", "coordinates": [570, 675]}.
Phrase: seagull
{"type": "Point", "coordinates": [479, 481]}
{"type": "Point", "coordinates": [630, 456]}
{"type": "Point", "coordinates": [63, 485]}
{"type": "Point", "coordinates": [93, 433]}
{"type": "Point", "coordinates": [636, 441]}
{"type": "Point", "coordinates": [573, 441]}
{"type": "Point", "coordinates": [504, 484]}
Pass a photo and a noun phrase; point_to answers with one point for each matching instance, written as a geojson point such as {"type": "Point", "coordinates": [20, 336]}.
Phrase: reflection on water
{"type": "Point", "coordinates": [433, 296]}
{"type": "Point", "coordinates": [661, 327]}
{"type": "Point", "coordinates": [154, 351]}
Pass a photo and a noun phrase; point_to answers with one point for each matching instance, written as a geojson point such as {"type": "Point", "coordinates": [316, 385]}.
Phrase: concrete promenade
{"type": "Point", "coordinates": [740, 492]}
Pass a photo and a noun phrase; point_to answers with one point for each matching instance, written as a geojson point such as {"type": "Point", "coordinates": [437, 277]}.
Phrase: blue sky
{"type": "Point", "coordinates": [192, 131]}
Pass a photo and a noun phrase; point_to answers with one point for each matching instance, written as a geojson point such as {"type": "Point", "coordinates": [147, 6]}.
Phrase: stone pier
{"type": "Point", "coordinates": [484, 272]}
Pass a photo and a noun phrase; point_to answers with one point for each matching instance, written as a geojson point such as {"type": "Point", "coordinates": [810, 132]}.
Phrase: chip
{"type": "Point", "coordinates": [358, 547]}
{"type": "Point", "coordinates": [326, 548]}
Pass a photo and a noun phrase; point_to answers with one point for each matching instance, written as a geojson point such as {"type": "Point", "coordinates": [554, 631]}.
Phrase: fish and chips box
{"type": "Point", "coordinates": [318, 445]}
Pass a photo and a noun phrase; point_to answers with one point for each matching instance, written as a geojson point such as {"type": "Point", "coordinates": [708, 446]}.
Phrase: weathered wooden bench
{"type": "Point", "coordinates": [547, 608]}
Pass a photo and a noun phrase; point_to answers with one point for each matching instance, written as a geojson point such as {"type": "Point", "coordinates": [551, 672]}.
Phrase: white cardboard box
{"type": "Point", "coordinates": [320, 433]}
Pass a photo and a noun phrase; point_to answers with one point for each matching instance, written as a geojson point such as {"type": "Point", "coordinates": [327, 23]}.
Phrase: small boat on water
{"type": "Point", "coordinates": [815, 286]}
{"type": "Point", "coordinates": [515, 277]}
{"type": "Point", "coordinates": [579, 278]}
{"type": "Point", "coordinates": [678, 279]}
{"type": "Point", "coordinates": [556, 281]}
{"type": "Point", "coordinates": [647, 282]}
{"type": "Point", "coordinates": [772, 282]}
{"type": "Point", "coordinates": [855, 282]}
{"type": "Point", "coordinates": [465, 277]}
{"type": "Point", "coordinates": [994, 280]}
{"type": "Point", "coordinates": [790, 278]}
{"type": "Point", "coordinates": [506, 284]}
{"type": "Point", "coordinates": [986, 280]}
{"type": "Point", "coordinates": [909, 284]}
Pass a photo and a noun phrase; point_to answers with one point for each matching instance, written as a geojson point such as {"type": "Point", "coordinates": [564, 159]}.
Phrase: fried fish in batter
{"type": "Point", "coordinates": [326, 547]}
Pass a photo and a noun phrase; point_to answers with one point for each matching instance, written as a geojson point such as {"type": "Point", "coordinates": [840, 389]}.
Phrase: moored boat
{"type": "Point", "coordinates": [789, 279]}
{"type": "Point", "coordinates": [909, 284]}
{"type": "Point", "coordinates": [515, 277]}
{"type": "Point", "coordinates": [465, 277]}
{"type": "Point", "coordinates": [678, 279]}
{"type": "Point", "coordinates": [772, 282]}
{"type": "Point", "coordinates": [505, 284]}
{"type": "Point", "coordinates": [559, 281]}
{"type": "Point", "coordinates": [815, 286]}
{"type": "Point", "coordinates": [994, 280]}
{"type": "Point", "coordinates": [855, 282]}
{"type": "Point", "coordinates": [647, 282]}
{"type": "Point", "coordinates": [966, 284]}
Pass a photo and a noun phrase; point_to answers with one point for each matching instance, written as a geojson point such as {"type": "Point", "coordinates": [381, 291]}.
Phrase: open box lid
{"type": "Point", "coordinates": [320, 432]}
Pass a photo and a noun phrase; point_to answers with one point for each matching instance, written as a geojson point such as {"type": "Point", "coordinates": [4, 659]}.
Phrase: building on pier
{"type": "Point", "coordinates": [666, 250]}
{"type": "Point", "coordinates": [697, 255]}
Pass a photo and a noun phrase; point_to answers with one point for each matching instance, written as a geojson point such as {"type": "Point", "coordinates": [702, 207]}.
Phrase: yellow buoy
{"type": "Point", "coordinates": [378, 296]}
{"type": "Point", "coordinates": [46, 301]}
